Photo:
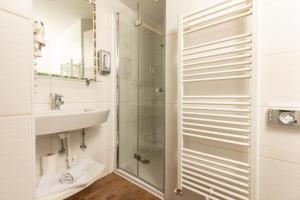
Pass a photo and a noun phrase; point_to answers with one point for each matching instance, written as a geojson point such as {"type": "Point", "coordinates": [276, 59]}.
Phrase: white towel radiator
{"type": "Point", "coordinates": [216, 102]}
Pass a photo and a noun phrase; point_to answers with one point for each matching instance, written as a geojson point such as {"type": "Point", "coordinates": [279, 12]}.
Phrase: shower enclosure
{"type": "Point", "coordinates": [141, 99]}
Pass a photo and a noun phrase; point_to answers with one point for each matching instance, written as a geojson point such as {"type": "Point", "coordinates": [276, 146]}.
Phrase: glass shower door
{"type": "Point", "coordinates": [151, 108]}
{"type": "Point", "coordinates": [141, 102]}
{"type": "Point", "coordinates": [128, 94]}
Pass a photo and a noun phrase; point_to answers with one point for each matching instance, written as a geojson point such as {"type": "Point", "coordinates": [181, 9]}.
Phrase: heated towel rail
{"type": "Point", "coordinates": [216, 101]}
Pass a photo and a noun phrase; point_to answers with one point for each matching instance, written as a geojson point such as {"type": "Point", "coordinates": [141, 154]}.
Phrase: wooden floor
{"type": "Point", "coordinates": [113, 187]}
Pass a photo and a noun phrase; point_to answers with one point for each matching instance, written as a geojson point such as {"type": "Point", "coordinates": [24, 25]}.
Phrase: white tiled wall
{"type": "Point", "coordinates": [78, 96]}
{"type": "Point", "coordinates": [15, 61]}
{"type": "Point", "coordinates": [16, 137]}
{"type": "Point", "coordinates": [280, 60]}
{"type": "Point", "coordinates": [17, 7]}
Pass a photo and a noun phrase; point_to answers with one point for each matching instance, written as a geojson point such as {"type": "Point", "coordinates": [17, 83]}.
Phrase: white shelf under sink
{"type": "Point", "coordinates": [95, 172]}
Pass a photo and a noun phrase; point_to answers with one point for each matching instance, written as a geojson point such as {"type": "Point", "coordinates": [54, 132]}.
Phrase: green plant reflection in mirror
{"type": "Point", "coordinates": [64, 38]}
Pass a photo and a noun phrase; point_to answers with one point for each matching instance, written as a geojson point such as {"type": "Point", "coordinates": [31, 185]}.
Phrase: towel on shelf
{"type": "Point", "coordinates": [75, 172]}
{"type": "Point", "coordinates": [50, 184]}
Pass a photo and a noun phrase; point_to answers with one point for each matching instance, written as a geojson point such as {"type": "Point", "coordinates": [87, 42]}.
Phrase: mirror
{"type": "Point", "coordinates": [64, 38]}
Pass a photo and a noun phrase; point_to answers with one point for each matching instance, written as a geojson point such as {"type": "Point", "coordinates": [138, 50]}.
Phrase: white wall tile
{"type": "Point", "coordinates": [104, 14]}
{"type": "Point", "coordinates": [16, 158]}
{"type": "Point", "coordinates": [279, 180]}
{"type": "Point", "coordinates": [42, 107]}
{"type": "Point", "coordinates": [42, 90]}
{"type": "Point", "coordinates": [171, 85]}
{"type": "Point", "coordinates": [111, 165]}
{"type": "Point", "coordinates": [20, 7]}
{"type": "Point", "coordinates": [280, 77]}
{"type": "Point", "coordinates": [98, 139]}
{"type": "Point", "coordinates": [15, 76]}
{"type": "Point", "coordinates": [171, 51]}
{"type": "Point", "coordinates": [104, 38]}
{"type": "Point", "coordinates": [16, 140]}
{"type": "Point", "coordinates": [279, 32]}
{"type": "Point", "coordinates": [171, 120]}
{"type": "Point", "coordinates": [171, 154]}
{"type": "Point", "coordinates": [76, 91]}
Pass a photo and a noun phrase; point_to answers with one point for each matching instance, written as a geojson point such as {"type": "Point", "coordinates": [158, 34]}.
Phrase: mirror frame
{"type": "Point", "coordinates": [49, 75]}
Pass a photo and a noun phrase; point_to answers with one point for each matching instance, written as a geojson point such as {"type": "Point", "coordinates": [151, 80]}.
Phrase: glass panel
{"type": "Point", "coordinates": [128, 93]}
{"type": "Point", "coordinates": [151, 112]}
{"type": "Point", "coordinates": [141, 92]}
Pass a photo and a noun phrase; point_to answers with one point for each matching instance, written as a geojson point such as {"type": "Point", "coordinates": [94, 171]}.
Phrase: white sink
{"type": "Point", "coordinates": [62, 121]}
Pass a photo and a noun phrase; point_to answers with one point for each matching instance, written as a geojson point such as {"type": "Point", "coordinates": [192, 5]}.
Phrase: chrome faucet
{"type": "Point", "coordinates": [56, 101]}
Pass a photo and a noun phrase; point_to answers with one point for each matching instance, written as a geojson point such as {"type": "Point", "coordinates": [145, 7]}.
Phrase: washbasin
{"type": "Point", "coordinates": [62, 121]}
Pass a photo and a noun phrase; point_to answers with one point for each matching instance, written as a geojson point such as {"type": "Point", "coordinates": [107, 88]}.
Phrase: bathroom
{"type": "Point", "coordinates": [149, 99]}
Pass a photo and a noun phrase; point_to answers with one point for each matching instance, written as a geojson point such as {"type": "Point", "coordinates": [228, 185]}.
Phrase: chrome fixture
{"type": "Point", "coordinates": [65, 138]}
{"type": "Point", "coordinates": [104, 62]}
{"type": "Point", "coordinates": [83, 145]}
{"type": "Point", "coordinates": [159, 90]}
{"type": "Point", "coordinates": [152, 70]}
{"type": "Point", "coordinates": [178, 191]}
{"type": "Point", "coordinates": [139, 21]}
{"type": "Point", "coordinates": [62, 149]}
{"type": "Point", "coordinates": [87, 82]}
{"type": "Point", "coordinates": [139, 159]}
{"type": "Point", "coordinates": [290, 118]}
{"type": "Point", "coordinates": [56, 101]}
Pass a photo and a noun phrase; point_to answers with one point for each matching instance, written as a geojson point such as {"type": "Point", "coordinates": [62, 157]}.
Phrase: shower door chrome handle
{"type": "Point", "coordinates": [151, 70]}
{"type": "Point", "coordinates": [159, 90]}
{"type": "Point", "coordinates": [137, 157]}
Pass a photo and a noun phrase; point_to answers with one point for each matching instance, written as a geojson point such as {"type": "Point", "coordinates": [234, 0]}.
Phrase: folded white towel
{"type": "Point", "coordinates": [49, 184]}
{"type": "Point", "coordinates": [75, 172]}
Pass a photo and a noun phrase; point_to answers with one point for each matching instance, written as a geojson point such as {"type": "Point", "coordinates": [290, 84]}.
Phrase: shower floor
{"type": "Point", "coordinates": [113, 187]}
{"type": "Point", "coordinates": [153, 172]}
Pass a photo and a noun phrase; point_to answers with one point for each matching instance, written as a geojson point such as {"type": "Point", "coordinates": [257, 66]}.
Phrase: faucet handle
{"type": "Point", "coordinates": [56, 101]}
{"type": "Point", "coordinates": [60, 96]}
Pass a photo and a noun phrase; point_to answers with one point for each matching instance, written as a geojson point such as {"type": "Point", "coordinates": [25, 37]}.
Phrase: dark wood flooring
{"type": "Point", "coordinates": [113, 187]}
